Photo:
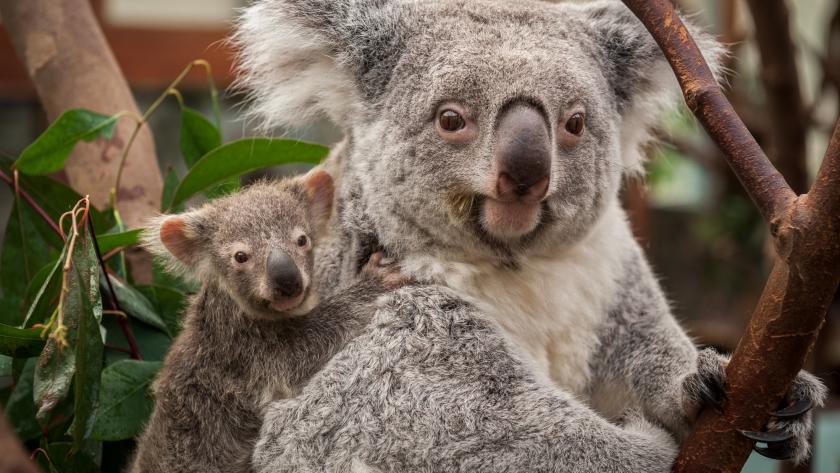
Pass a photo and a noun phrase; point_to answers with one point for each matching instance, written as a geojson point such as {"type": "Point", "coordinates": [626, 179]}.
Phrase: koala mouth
{"type": "Point", "coordinates": [288, 305]}
{"type": "Point", "coordinates": [509, 220]}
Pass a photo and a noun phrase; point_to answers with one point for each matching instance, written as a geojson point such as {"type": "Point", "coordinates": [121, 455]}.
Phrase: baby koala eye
{"type": "Point", "coordinates": [574, 124]}
{"type": "Point", "coordinates": [302, 241]}
{"type": "Point", "coordinates": [451, 121]}
{"type": "Point", "coordinates": [240, 257]}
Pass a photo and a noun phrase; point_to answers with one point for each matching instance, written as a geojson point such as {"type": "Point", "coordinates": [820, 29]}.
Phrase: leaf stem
{"type": "Point", "coordinates": [115, 303]}
{"type": "Point", "coordinates": [29, 200]}
{"type": "Point", "coordinates": [152, 108]}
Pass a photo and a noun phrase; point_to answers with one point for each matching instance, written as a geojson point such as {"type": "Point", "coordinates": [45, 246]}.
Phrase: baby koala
{"type": "Point", "coordinates": [256, 330]}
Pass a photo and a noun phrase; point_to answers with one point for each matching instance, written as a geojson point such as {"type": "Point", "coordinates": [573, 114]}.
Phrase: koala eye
{"type": "Point", "coordinates": [574, 124]}
{"type": "Point", "coordinates": [302, 241]}
{"type": "Point", "coordinates": [451, 121]}
{"type": "Point", "coordinates": [240, 257]}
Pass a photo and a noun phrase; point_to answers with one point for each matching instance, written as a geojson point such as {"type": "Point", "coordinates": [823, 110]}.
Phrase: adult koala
{"type": "Point", "coordinates": [485, 147]}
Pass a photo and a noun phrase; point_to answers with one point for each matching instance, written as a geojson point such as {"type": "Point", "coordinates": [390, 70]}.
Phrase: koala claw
{"type": "Point", "coordinates": [796, 410]}
{"type": "Point", "coordinates": [767, 437]}
{"type": "Point", "coordinates": [777, 452]}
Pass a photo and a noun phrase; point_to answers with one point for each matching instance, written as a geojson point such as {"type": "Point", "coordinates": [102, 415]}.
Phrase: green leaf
{"type": "Point", "coordinates": [126, 403]}
{"type": "Point", "coordinates": [20, 408]}
{"type": "Point", "coordinates": [49, 151]}
{"type": "Point", "coordinates": [135, 304]}
{"type": "Point", "coordinates": [89, 345]}
{"type": "Point", "coordinates": [24, 253]}
{"type": "Point", "coordinates": [169, 303]}
{"type": "Point", "coordinates": [239, 157]}
{"type": "Point", "coordinates": [198, 136]}
{"type": "Point", "coordinates": [110, 241]}
{"type": "Point", "coordinates": [20, 342]}
{"type": "Point", "coordinates": [42, 292]}
{"type": "Point", "coordinates": [65, 458]}
{"type": "Point", "coordinates": [55, 198]}
{"type": "Point", "coordinates": [81, 360]}
{"type": "Point", "coordinates": [170, 183]}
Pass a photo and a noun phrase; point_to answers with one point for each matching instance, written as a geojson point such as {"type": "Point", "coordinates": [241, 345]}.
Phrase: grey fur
{"type": "Point", "coordinates": [431, 386]}
{"type": "Point", "coordinates": [231, 359]}
{"type": "Point", "coordinates": [380, 69]}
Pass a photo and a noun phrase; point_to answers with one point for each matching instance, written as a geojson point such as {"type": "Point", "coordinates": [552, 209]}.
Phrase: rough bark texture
{"type": "Point", "coordinates": [788, 124]}
{"type": "Point", "coordinates": [806, 231]}
{"type": "Point", "coordinates": [13, 459]}
{"type": "Point", "coordinates": [66, 55]}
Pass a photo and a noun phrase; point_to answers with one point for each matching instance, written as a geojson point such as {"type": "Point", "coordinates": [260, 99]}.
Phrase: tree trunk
{"type": "Point", "coordinates": [68, 59]}
{"type": "Point", "coordinates": [13, 458]}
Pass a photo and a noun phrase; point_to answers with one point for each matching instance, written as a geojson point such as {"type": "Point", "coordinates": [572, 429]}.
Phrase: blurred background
{"type": "Point", "coordinates": [703, 235]}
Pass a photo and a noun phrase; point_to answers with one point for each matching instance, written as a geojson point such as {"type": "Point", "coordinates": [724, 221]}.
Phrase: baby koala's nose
{"type": "Point", "coordinates": [283, 274]}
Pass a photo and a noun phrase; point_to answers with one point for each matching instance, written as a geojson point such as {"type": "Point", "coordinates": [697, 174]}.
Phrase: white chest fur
{"type": "Point", "coordinates": [551, 306]}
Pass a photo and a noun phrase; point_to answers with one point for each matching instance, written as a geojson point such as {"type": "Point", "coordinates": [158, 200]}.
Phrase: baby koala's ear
{"type": "Point", "coordinates": [320, 191]}
{"type": "Point", "coordinates": [176, 238]}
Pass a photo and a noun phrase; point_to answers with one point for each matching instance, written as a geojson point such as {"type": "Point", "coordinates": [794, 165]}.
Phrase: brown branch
{"type": "Point", "coordinates": [29, 200]}
{"type": "Point", "coordinates": [134, 349]}
{"type": "Point", "coordinates": [792, 308]}
{"type": "Point", "coordinates": [14, 459]}
{"type": "Point", "coordinates": [788, 124]}
{"type": "Point", "coordinates": [762, 181]}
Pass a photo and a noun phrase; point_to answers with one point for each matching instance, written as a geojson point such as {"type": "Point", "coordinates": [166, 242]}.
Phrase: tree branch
{"type": "Point", "coordinates": [792, 308]}
{"type": "Point", "coordinates": [14, 459]}
{"type": "Point", "coordinates": [788, 124]}
{"type": "Point", "coordinates": [765, 185]}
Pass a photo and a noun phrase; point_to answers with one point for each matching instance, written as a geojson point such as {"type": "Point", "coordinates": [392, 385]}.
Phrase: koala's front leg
{"type": "Point", "coordinates": [644, 350]}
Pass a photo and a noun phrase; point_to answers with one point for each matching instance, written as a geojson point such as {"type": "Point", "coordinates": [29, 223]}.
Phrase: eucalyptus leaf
{"type": "Point", "coordinates": [198, 136]}
{"type": "Point", "coordinates": [49, 151]}
{"type": "Point", "coordinates": [135, 304]}
{"type": "Point", "coordinates": [20, 342]}
{"type": "Point", "coordinates": [126, 402]}
{"type": "Point", "coordinates": [239, 157]}
{"type": "Point", "coordinates": [24, 253]}
{"type": "Point", "coordinates": [20, 408]}
{"type": "Point", "coordinates": [169, 303]}
{"type": "Point", "coordinates": [110, 241]}
{"type": "Point", "coordinates": [170, 183]}
{"type": "Point", "coordinates": [42, 292]}
{"type": "Point", "coordinates": [82, 357]}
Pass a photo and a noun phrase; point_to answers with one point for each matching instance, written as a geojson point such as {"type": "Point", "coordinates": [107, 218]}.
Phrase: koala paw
{"type": "Point", "coordinates": [788, 434]}
{"type": "Point", "coordinates": [385, 270]}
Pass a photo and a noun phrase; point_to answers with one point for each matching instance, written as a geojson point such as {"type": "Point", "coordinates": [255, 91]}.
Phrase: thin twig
{"type": "Point", "coordinates": [29, 200]}
{"type": "Point", "coordinates": [115, 303]}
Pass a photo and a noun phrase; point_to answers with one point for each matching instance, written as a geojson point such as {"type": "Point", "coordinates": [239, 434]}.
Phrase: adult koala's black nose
{"type": "Point", "coordinates": [283, 274]}
{"type": "Point", "coordinates": [522, 154]}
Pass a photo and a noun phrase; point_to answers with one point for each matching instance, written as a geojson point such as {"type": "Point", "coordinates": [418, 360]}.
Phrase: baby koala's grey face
{"type": "Point", "coordinates": [262, 251]}
{"type": "Point", "coordinates": [256, 244]}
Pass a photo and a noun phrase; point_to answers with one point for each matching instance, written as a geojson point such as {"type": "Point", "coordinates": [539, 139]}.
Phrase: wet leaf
{"type": "Point", "coordinates": [49, 151]}
{"type": "Point", "coordinates": [126, 403]}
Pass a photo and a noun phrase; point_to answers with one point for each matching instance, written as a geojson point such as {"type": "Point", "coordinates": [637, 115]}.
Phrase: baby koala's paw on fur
{"type": "Point", "coordinates": [386, 270]}
{"type": "Point", "coordinates": [788, 434]}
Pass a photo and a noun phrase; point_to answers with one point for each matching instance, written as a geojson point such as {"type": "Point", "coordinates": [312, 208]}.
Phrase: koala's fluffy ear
{"type": "Point", "coordinates": [301, 60]}
{"type": "Point", "coordinates": [641, 78]}
{"type": "Point", "coordinates": [320, 190]}
{"type": "Point", "coordinates": [177, 239]}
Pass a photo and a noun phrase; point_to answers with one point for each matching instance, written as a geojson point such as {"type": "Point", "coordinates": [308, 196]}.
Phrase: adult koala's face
{"type": "Point", "coordinates": [491, 128]}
